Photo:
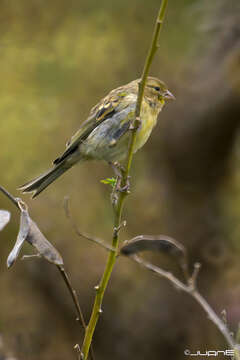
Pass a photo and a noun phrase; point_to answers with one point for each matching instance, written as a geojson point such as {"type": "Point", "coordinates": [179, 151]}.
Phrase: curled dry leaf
{"type": "Point", "coordinates": [44, 247]}
{"type": "Point", "coordinates": [30, 232]}
{"type": "Point", "coordinates": [160, 243]}
{"type": "Point", "coordinates": [4, 218]}
{"type": "Point", "coordinates": [21, 237]}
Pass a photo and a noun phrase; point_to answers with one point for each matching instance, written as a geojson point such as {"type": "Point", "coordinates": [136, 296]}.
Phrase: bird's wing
{"type": "Point", "coordinates": [102, 111]}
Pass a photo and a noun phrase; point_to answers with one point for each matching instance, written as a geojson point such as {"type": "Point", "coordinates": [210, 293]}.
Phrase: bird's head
{"type": "Point", "coordinates": [157, 90]}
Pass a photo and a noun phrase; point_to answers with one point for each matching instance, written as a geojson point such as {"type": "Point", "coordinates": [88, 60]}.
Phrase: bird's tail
{"type": "Point", "coordinates": [37, 185]}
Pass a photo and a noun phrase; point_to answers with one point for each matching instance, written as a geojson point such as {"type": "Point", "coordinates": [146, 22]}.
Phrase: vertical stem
{"type": "Point", "coordinates": [100, 289]}
{"type": "Point", "coordinates": [151, 52]}
{"type": "Point", "coordinates": [72, 291]}
{"type": "Point", "coordinates": [96, 311]}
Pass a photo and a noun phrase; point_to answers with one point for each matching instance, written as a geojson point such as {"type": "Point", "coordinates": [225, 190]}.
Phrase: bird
{"type": "Point", "coordinates": [104, 135]}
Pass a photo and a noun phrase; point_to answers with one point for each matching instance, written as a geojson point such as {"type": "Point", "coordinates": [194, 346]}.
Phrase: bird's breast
{"type": "Point", "coordinates": [148, 121]}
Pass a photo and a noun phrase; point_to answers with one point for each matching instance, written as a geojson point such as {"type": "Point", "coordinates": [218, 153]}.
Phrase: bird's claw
{"type": "Point", "coordinates": [118, 169]}
{"type": "Point", "coordinates": [125, 188]}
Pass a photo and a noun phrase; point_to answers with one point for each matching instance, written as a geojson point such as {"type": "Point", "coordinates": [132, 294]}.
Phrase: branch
{"type": "Point", "coordinates": [14, 200]}
{"type": "Point", "coordinates": [94, 239]}
{"type": "Point", "coordinates": [118, 205]}
{"type": "Point", "coordinates": [191, 290]}
{"type": "Point", "coordinates": [73, 293]}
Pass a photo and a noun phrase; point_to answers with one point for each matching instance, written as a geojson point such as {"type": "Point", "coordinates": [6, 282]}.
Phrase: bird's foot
{"type": "Point", "coordinates": [118, 169]}
{"type": "Point", "coordinates": [119, 172]}
{"type": "Point", "coordinates": [125, 188]}
{"type": "Point", "coordinates": [118, 188]}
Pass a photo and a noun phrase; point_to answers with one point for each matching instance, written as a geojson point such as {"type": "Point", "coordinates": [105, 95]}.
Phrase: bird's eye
{"type": "Point", "coordinates": [157, 88]}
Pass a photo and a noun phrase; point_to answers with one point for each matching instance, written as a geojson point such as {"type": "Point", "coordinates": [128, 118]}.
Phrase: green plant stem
{"type": "Point", "coordinates": [72, 291]}
{"type": "Point", "coordinates": [118, 207]}
{"type": "Point", "coordinates": [100, 289]}
{"type": "Point", "coordinates": [151, 52]}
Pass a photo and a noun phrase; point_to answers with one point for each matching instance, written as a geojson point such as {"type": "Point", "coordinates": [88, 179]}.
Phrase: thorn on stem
{"type": "Point", "coordinates": [193, 278]}
{"type": "Point", "coordinates": [117, 229]}
{"type": "Point", "coordinates": [136, 124]}
{"type": "Point", "coordinates": [80, 355]}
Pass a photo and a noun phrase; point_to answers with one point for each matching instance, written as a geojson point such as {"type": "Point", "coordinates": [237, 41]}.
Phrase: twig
{"type": "Point", "coordinates": [214, 318]}
{"type": "Point", "coordinates": [72, 291]}
{"type": "Point", "coordinates": [191, 290]}
{"type": "Point", "coordinates": [118, 205]}
{"type": "Point", "coordinates": [94, 239]}
{"type": "Point", "coordinates": [192, 281]}
{"type": "Point", "coordinates": [14, 200]}
{"type": "Point", "coordinates": [73, 294]}
{"type": "Point", "coordinates": [30, 257]}
{"type": "Point", "coordinates": [166, 274]}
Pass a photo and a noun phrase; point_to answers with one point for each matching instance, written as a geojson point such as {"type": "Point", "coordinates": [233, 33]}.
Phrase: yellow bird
{"type": "Point", "coordinates": [105, 133]}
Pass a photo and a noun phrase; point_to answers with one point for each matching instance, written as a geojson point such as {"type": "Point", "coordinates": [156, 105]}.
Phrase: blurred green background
{"type": "Point", "coordinates": [57, 59]}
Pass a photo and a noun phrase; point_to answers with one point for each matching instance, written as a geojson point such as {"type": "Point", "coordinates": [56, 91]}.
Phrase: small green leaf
{"type": "Point", "coordinates": [109, 181]}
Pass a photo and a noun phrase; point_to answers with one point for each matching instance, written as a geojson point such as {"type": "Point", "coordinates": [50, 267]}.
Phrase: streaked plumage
{"type": "Point", "coordinates": [105, 134]}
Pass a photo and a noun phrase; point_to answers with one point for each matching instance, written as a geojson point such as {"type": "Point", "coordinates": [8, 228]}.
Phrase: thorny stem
{"type": "Point", "coordinates": [80, 233]}
{"type": "Point", "coordinates": [72, 291]}
{"type": "Point", "coordinates": [191, 290]}
{"type": "Point", "coordinates": [118, 206]}
{"type": "Point", "coordinates": [100, 289]}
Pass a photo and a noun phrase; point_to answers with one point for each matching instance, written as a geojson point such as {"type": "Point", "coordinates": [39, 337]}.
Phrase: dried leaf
{"type": "Point", "coordinates": [160, 243]}
{"type": "Point", "coordinates": [30, 232]}
{"type": "Point", "coordinates": [4, 218]}
{"type": "Point", "coordinates": [22, 235]}
{"type": "Point", "coordinates": [43, 246]}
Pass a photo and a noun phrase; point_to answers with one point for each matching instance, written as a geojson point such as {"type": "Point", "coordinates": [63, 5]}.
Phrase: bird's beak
{"type": "Point", "coordinates": [168, 95]}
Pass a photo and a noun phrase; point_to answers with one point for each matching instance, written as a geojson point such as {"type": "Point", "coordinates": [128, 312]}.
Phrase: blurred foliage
{"type": "Point", "coordinates": [57, 60]}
